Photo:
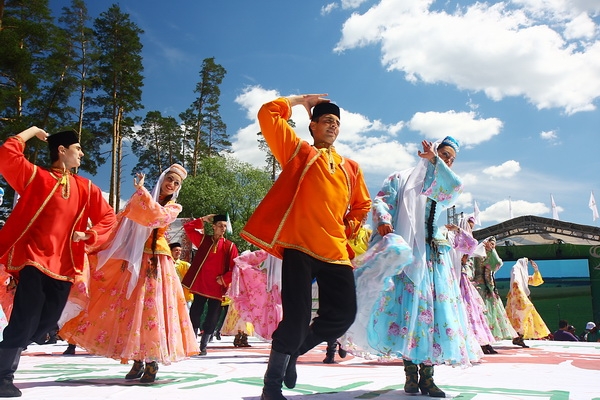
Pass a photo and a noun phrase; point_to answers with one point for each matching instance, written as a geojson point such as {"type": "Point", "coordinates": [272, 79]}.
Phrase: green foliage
{"type": "Point", "coordinates": [157, 144]}
{"type": "Point", "coordinates": [225, 185]}
{"type": "Point", "coordinates": [79, 40]}
{"type": "Point", "coordinates": [120, 82]}
{"type": "Point", "coordinates": [205, 131]}
{"type": "Point", "coordinates": [28, 50]}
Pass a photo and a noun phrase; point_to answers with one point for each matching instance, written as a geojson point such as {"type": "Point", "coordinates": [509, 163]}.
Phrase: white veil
{"type": "Point", "coordinates": [128, 243]}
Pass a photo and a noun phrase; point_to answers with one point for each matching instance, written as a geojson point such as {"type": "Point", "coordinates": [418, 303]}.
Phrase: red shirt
{"type": "Point", "coordinates": [38, 231]}
{"type": "Point", "coordinates": [213, 259]}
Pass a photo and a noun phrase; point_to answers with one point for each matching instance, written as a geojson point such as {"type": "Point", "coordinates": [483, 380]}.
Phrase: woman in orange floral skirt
{"type": "Point", "coordinates": [137, 310]}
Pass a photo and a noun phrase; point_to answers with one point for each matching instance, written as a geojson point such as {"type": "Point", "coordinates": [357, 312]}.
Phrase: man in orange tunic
{"type": "Point", "coordinates": [315, 206]}
{"type": "Point", "coordinates": [209, 275]}
{"type": "Point", "coordinates": [44, 239]}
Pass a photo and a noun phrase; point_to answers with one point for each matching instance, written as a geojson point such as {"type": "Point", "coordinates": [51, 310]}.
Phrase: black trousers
{"type": "Point", "coordinates": [212, 313]}
{"type": "Point", "coordinates": [337, 301]}
{"type": "Point", "coordinates": [38, 304]}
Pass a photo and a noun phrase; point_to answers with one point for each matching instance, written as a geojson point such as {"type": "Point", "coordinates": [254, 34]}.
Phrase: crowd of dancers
{"type": "Point", "coordinates": [406, 289]}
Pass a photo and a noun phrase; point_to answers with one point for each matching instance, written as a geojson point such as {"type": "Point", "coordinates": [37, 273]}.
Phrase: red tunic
{"type": "Point", "coordinates": [212, 259]}
{"type": "Point", "coordinates": [39, 229]}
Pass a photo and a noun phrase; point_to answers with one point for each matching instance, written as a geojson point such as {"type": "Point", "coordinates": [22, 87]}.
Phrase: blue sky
{"type": "Point", "coordinates": [517, 82]}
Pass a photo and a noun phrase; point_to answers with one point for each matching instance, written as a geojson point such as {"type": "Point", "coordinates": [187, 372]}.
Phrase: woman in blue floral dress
{"type": "Point", "coordinates": [417, 312]}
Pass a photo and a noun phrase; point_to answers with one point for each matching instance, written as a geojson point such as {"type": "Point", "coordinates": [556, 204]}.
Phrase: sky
{"type": "Point", "coordinates": [516, 82]}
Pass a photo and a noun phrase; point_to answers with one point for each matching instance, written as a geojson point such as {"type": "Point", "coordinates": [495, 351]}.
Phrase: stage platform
{"type": "Point", "coordinates": [545, 371]}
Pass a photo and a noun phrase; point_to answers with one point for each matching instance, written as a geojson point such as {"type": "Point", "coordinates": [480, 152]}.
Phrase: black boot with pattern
{"type": "Point", "coordinates": [136, 370]}
{"type": "Point", "coordinates": [426, 383]}
{"type": "Point", "coordinates": [411, 371]}
{"type": "Point", "coordinates": [149, 372]}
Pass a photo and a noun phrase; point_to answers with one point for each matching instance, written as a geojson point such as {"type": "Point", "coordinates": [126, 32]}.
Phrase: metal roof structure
{"type": "Point", "coordinates": [533, 230]}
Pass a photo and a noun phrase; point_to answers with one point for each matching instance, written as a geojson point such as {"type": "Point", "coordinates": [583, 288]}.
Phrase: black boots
{"type": "Point", "coordinates": [426, 383]}
{"type": "Point", "coordinates": [518, 341]}
{"type": "Point", "coordinates": [411, 371]}
{"type": "Point", "coordinates": [70, 350]}
{"type": "Point", "coordinates": [310, 341]}
{"type": "Point", "coordinates": [8, 389]}
{"type": "Point", "coordinates": [488, 349]}
{"type": "Point", "coordinates": [330, 353]}
{"type": "Point", "coordinates": [276, 370]}
{"type": "Point", "coordinates": [9, 361]}
{"type": "Point", "coordinates": [149, 372]}
{"type": "Point", "coordinates": [203, 343]}
{"type": "Point", "coordinates": [341, 352]}
{"type": "Point", "coordinates": [146, 375]}
{"type": "Point", "coordinates": [291, 375]}
{"type": "Point", "coordinates": [136, 371]}
{"type": "Point", "coordinates": [241, 339]}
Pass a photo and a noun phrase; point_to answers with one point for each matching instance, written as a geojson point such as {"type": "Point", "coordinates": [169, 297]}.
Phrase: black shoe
{"type": "Point", "coordinates": [70, 350]}
{"type": "Point", "coordinates": [329, 359]}
{"type": "Point", "coordinates": [491, 349]}
{"type": "Point", "coordinates": [136, 370]}
{"type": "Point", "coordinates": [8, 389]}
{"type": "Point", "coordinates": [342, 353]}
{"type": "Point", "coordinates": [218, 335]}
{"type": "Point", "coordinates": [149, 372]}
{"type": "Point", "coordinates": [202, 352]}
{"type": "Point", "coordinates": [518, 341]}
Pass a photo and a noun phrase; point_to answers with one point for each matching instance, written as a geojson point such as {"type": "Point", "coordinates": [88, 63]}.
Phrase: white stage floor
{"type": "Point", "coordinates": [546, 371]}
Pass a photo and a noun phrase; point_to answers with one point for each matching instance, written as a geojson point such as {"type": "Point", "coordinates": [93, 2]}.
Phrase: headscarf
{"type": "Point", "coordinates": [410, 216]}
{"type": "Point", "coordinates": [520, 275]}
{"type": "Point", "coordinates": [128, 243]}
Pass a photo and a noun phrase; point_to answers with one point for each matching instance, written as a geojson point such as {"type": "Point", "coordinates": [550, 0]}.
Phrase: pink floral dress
{"type": "Point", "coordinates": [153, 323]}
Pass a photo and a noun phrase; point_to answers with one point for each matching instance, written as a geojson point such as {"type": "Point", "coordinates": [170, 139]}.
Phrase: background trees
{"type": "Point", "coordinates": [75, 72]}
{"type": "Point", "coordinates": [225, 185]}
{"type": "Point", "coordinates": [120, 82]}
{"type": "Point", "coordinates": [205, 132]}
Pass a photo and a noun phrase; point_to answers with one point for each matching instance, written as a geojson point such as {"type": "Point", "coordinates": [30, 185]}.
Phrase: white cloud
{"type": "Point", "coordinates": [559, 9]}
{"type": "Point", "coordinates": [465, 201]}
{"type": "Point", "coordinates": [348, 4]}
{"type": "Point", "coordinates": [549, 135]}
{"type": "Point", "coordinates": [506, 170]}
{"type": "Point", "coordinates": [491, 48]}
{"type": "Point", "coordinates": [500, 211]}
{"type": "Point", "coordinates": [328, 8]}
{"type": "Point", "coordinates": [463, 126]}
{"type": "Point", "coordinates": [581, 26]}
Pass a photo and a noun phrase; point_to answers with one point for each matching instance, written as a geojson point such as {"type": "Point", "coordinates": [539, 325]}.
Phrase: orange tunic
{"type": "Point", "coordinates": [287, 218]}
{"type": "Point", "coordinates": [38, 232]}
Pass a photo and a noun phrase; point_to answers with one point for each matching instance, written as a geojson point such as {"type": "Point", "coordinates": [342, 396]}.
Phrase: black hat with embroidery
{"type": "Point", "coordinates": [174, 244]}
{"type": "Point", "coordinates": [64, 138]}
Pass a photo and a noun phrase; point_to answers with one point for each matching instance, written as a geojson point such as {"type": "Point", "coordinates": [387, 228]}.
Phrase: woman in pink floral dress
{"type": "Point", "coordinates": [137, 310]}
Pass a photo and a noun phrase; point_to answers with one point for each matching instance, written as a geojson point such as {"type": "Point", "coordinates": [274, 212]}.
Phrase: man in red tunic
{"type": "Point", "coordinates": [209, 275]}
{"type": "Point", "coordinates": [44, 240]}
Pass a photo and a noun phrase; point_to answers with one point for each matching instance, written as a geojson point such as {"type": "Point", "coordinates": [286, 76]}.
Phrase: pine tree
{"type": "Point", "coordinates": [120, 83]}
{"type": "Point", "coordinates": [203, 126]}
{"type": "Point", "coordinates": [158, 144]}
{"type": "Point", "coordinates": [80, 40]}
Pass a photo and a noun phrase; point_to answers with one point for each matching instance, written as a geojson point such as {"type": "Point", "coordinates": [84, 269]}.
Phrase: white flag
{"type": "Point", "coordinates": [476, 213]}
{"type": "Point", "coordinates": [229, 228]}
{"type": "Point", "coordinates": [593, 207]}
{"type": "Point", "coordinates": [510, 213]}
{"type": "Point", "coordinates": [554, 209]}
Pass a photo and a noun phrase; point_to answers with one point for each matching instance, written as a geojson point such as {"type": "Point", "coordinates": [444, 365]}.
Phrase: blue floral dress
{"type": "Point", "coordinates": [415, 309]}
